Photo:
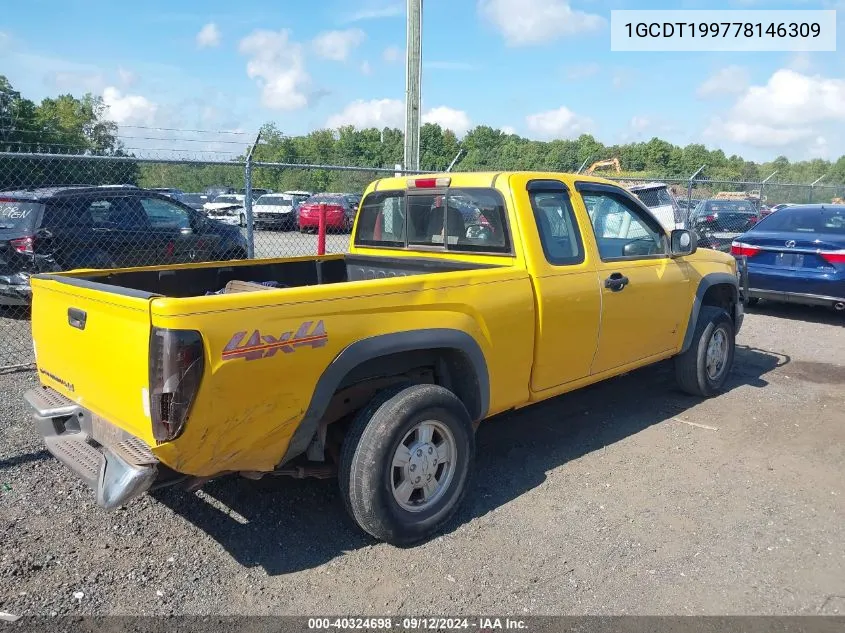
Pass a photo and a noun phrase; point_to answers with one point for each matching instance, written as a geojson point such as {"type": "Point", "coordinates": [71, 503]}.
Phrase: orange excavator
{"type": "Point", "coordinates": [610, 162]}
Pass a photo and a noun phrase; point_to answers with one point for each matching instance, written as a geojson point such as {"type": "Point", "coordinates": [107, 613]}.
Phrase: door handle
{"type": "Point", "coordinates": [616, 282]}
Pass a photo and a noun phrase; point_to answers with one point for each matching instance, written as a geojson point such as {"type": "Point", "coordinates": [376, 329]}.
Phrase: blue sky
{"type": "Point", "coordinates": [542, 68]}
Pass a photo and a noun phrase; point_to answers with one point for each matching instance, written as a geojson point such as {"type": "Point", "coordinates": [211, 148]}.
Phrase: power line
{"type": "Point", "coordinates": [174, 129]}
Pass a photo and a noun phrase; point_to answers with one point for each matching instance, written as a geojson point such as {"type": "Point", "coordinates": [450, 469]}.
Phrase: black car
{"type": "Point", "coordinates": [717, 222]}
{"type": "Point", "coordinates": [63, 228]}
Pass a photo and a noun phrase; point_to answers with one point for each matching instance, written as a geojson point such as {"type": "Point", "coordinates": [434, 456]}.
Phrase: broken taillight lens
{"type": "Point", "coordinates": [24, 245]}
{"type": "Point", "coordinates": [177, 362]}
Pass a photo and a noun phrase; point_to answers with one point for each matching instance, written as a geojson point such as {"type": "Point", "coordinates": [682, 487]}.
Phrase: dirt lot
{"type": "Point", "coordinates": [627, 497]}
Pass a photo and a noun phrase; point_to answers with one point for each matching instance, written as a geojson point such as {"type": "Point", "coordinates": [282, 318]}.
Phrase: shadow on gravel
{"type": "Point", "coordinates": [287, 525]}
{"type": "Point", "coordinates": [795, 312]}
{"type": "Point", "coordinates": [26, 458]}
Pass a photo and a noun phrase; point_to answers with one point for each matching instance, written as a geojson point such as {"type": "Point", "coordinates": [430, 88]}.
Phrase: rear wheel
{"type": "Point", "coordinates": [406, 461]}
{"type": "Point", "coordinates": [753, 301]}
{"type": "Point", "coordinates": [242, 222]}
{"type": "Point", "coordinates": [703, 369]}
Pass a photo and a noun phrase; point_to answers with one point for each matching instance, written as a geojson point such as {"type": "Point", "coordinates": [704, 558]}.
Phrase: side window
{"type": "Point", "coordinates": [557, 226]}
{"type": "Point", "coordinates": [621, 228]}
{"type": "Point", "coordinates": [162, 214]}
{"type": "Point", "coordinates": [72, 214]}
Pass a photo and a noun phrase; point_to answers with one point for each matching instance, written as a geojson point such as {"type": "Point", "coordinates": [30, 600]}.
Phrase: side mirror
{"type": "Point", "coordinates": [683, 242]}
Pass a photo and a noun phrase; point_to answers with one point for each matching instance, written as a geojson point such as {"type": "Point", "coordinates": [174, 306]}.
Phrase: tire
{"type": "Point", "coordinates": [242, 222]}
{"type": "Point", "coordinates": [691, 367]}
{"type": "Point", "coordinates": [753, 301]}
{"type": "Point", "coordinates": [368, 476]}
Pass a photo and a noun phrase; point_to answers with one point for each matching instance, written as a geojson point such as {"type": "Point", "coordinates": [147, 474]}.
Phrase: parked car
{"type": "Point", "coordinates": [718, 222]}
{"type": "Point", "coordinates": [797, 255]}
{"type": "Point", "coordinates": [227, 208]}
{"type": "Point", "coordinates": [298, 196]}
{"type": "Point", "coordinates": [660, 201]}
{"type": "Point", "coordinates": [194, 200]}
{"type": "Point", "coordinates": [340, 212]}
{"type": "Point", "coordinates": [217, 190]}
{"type": "Point", "coordinates": [63, 228]}
{"type": "Point", "coordinates": [391, 355]}
{"type": "Point", "coordinates": [274, 211]}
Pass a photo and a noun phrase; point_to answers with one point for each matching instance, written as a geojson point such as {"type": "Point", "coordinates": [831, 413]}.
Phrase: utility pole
{"type": "Point", "coordinates": [413, 72]}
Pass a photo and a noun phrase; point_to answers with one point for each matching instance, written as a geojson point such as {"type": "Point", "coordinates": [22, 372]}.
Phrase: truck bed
{"type": "Point", "coordinates": [195, 281]}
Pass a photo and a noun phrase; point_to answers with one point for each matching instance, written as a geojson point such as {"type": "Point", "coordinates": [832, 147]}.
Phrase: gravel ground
{"type": "Point", "coordinates": [624, 498]}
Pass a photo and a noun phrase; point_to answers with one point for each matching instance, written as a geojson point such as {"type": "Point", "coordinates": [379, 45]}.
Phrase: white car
{"type": "Point", "coordinates": [228, 209]}
{"type": "Point", "coordinates": [662, 204]}
{"type": "Point", "coordinates": [275, 211]}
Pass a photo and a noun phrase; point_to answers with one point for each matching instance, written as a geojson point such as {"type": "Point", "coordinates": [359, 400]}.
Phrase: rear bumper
{"type": "Point", "coordinates": [332, 221]}
{"type": "Point", "coordinates": [796, 297]}
{"type": "Point", "coordinates": [15, 294]}
{"type": "Point", "coordinates": [113, 463]}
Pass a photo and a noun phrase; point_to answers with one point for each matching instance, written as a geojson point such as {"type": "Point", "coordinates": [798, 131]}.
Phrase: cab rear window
{"type": "Point", "coordinates": [460, 220]}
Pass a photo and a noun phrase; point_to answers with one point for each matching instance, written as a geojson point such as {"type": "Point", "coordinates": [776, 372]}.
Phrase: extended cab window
{"type": "Point", "coordinates": [557, 227]}
{"type": "Point", "coordinates": [467, 220]}
{"type": "Point", "coordinates": [622, 229]}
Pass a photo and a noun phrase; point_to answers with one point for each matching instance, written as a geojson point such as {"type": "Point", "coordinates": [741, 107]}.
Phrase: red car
{"type": "Point", "coordinates": [340, 212]}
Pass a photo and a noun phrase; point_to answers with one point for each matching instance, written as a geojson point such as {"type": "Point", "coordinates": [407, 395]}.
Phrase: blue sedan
{"type": "Point", "coordinates": [797, 255]}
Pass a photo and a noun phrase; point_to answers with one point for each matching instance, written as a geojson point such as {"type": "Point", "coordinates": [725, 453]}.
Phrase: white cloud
{"type": "Point", "coordinates": [449, 119]}
{"type": "Point", "coordinates": [126, 109]}
{"type": "Point", "coordinates": [791, 110]}
{"type": "Point", "coordinates": [727, 80]}
{"type": "Point", "coordinates": [527, 22]}
{"type": "Point", "coordinates": [507, 129]}
{"type": "Point", "coordinates": [209, 36]}
{"type": "Point", "coordinates": [558, 124]}
{"type": "Point", "coordinates": [790, 96]}
{"type": "Point", "coordinates": [374, 12]}
{"type": "Point", "coordinates": [337, 45]}
{"type": "Point", "coordinates": [365, 68]}
{"type": "Point", "coordinates": [127, 77]}
{"type": "Point", "coordinates": [378, 113]}
{"type": "Point", "coordinates": [582, 71]}
{"type": "Point", "coordinates": [5, 41]}
{"type": "Point", "coordinates": [392, 54]}
{"type": "Point", "coordinates": [278, 66]}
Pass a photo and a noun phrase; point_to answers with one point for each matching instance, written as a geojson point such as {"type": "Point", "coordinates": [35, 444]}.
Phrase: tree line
{"type": "Point", "coordinates": [71, 125]}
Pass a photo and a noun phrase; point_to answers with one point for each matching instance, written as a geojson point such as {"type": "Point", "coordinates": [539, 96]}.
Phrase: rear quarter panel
{"type": "Point", "coordinates": [248, 408]}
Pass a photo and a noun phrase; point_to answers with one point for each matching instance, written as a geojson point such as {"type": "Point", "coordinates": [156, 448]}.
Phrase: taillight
{"type": "Point", "coordinates": [710, 218]}
{"type": "Point", "coordinates": [24, 244]}
{"type": "Point", "coordinates": [738, 249]}
{"type": "Point", "coordinates": [177, 362]}
{"type": "Point", "coordinates": [833, 257]}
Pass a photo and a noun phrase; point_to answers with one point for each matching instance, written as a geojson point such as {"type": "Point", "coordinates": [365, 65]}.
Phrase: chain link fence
{"type": "Point", "coordinates": [63, 212]}
{"type": "Point", "coordinates": [60, 212]}
{"type": "Point", "coordinates": [721, 210]}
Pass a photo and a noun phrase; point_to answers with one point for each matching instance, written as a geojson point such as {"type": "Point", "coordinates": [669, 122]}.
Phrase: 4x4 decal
{"type": "Point", "coordinates": [264, 345]}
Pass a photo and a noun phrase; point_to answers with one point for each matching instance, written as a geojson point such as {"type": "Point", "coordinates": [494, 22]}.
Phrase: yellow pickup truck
{"type": "Point", "coordinates": [462, 296]}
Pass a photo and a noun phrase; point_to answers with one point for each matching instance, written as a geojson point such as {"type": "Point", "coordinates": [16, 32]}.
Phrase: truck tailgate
{"type": "Point", "coordinates": [92, 345]}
